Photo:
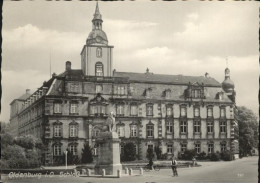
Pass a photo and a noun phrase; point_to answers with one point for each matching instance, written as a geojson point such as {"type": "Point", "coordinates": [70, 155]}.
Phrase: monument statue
{"type": "Point", "coordinates": [111, 122]}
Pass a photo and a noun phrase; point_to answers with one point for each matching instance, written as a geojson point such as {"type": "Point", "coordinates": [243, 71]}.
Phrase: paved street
{"type": "Point", "coordinates": [242, 170]}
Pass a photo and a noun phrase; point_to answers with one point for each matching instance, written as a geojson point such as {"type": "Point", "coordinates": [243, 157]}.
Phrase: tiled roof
{"type": "Point", "coordinates": [24, 96]}
{"type": "Point", "coordinates": [73, 73]}
{"type": "Point", "coordinates": [174, 79]}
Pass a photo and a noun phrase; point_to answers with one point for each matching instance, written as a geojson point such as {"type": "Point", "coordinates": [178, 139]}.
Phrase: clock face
{"type": "Point", "coordinates": [98, 39]}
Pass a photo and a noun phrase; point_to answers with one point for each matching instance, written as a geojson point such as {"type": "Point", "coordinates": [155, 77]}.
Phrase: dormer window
{"type": "Point", "coordinates": [99, 88]}
{"type": "Point", "coordinates": [196, 93]}
{"type": "Point", "coordinates": [168, 94]}
{"type": "Point", "coordinates": [222, 112]}
{"type": "Point", "coordinates": [183, 111]}
{"type": "Point", "coordinates": [148, 93]}
{"type": "Point", "coordinates": [169, 111]}
{"type": "Point", "coordinates": [210, 112]}
{"type": "Point", "coordinates": [196, 111]}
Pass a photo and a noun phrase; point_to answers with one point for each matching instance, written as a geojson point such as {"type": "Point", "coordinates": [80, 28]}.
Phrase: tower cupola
{"type": "Point", "coordinates": [228, 85]}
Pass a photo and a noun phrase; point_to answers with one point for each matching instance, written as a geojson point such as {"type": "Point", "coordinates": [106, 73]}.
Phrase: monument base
{"type": "Point", "coordinates": [110, 169]}
{"type": "Point", "coordinates": [108, 153]}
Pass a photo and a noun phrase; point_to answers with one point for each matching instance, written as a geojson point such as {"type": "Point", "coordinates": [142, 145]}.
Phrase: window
{"type": "Point", "coordinates": [222, 126]}
{"type": "Point", "coordinates": [74, 87]}
{"type": "Point", "coordinates": [99, 88]}
{"type": "Point", "coordinates": [168, 111]}
{"type": "Point", "coordinates": [121, 90]}
{"type": "Point", "coordinates": [99, 69]}
{"type": "Point", "coordinates": [121, 131]}
{"type": "Point", "coordinates": [73, 149]}
{"type": "Point", "coordinates": [148, 93]}
{"type": "Point", "coordinates": [210, 126]}
{"type": "Point", "coordinates": [210, 112]}
{"type": "Point", "coordinates": [196, 126]}
{"type": "Point", "coordinates": [73, 108]}
{"type": "Point", "coordinates": [196, 112]}
{"type": "Point", "coordinates": [133, 131]}
{"type": "Point", "coordinates": [149, 130]}
{"type": "Point", "coordinates": [73, 130]}
{"type": "Point", "coordinates": [197, 148]}
{"type": "Point", "coordinates": [133, 110]}
{"type": "Point", "coordinates": [183, 147]}
{"type": "Point", "coordinates": [149, 110]}
{"type": "Point", "coordinates": [120, 109]}
{"type": "Point", "coordinates": [210, 148]}
{"type": "Point", "coordinates": [96, 132]}
{"type": "Point", "coordinates": [57, 131]}
{"type": "Point", "coordinates": [169, 148]}
{"type": "Point", "coordinates": [57, 150]}
{"type": "Point", "coordinates": [183, 126]}
{"type": "Point", "coordinates": [169, 127]}
{"type": "Point", "coordinates": [99, 52]}
{"type": "Point", "coordinates": [167, 94]}
{"type": "Point", "coordinates": [183, 111]}
{"type": "Point", "coordinates": [223, 147]}
{"type": "Point", "coordinates": [196, 93]}
{"type": "Point", "coordinates": [98, 109]}
{"type": "Point", "coordinates": [222, 112]}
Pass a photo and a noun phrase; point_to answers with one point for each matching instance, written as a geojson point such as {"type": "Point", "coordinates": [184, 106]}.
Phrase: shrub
{"type": "Point", "coordinates": [86, 155]}
{"type": "Point", "coordinates": [158, 152]}
{"type": "Point", "coordinates": [149, 154]}
{"type": "Point", "coordinates": [227, 156]}
{"type": "Point", "coordinates": [202, 156]}
{"type": "Point", "coordinates": [129, 152]}
{"type": "Point", "coordinates": [188, 154]}
{"type": "Point", "coordinates": [214, 156]}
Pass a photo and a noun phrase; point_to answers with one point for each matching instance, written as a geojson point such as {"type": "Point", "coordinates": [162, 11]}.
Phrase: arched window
{"type": "Point", "coordinates": [99, 52]}
{"type": "Point", "coordinates": [99, 69]}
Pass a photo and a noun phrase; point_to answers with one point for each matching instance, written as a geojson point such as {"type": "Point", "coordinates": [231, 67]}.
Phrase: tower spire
{"type": "Point", "coordinates": [97, 9]}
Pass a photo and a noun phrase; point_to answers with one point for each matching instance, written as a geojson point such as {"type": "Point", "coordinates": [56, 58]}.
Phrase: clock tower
{"type": "Point", "coordinates": [97, 55]}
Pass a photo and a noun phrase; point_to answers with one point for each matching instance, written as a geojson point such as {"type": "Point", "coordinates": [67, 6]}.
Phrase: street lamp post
{"type": "Point", "coordinates": [66, 152]}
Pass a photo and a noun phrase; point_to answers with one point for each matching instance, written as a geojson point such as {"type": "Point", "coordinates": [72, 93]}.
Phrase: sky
{"type": "Point", "coordinates": [184, 37]}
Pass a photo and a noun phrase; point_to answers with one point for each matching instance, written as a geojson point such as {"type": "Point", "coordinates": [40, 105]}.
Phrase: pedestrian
{"type": "Point", "coordinates": [174, 166]}
{"type": "Point", "coordinates": [151, 164]}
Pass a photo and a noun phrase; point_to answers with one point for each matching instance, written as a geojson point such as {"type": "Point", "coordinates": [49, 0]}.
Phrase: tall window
{"type": "Point", "coordinates": [210, 126]}
{"type": "Point", "coordinates": [183, 126]}
{"type": "Point", "coordinates": [168, 111]}
{"type": "Point", "coordinates": [121, 131]}
{"type": "Point", "coordinates": [73, 149]}
{"type": "Point", "coordinates": [196, 93]}
{"type": "Point", "coordinates": [57, 129]}
{"type": "Point", "coordinates": [183, 147]}
{"type": "Point", "coordinates": [222, 126]}
{"type": "Point", "coordinates": [169, 149]}
{"type": "Point", "coordinates": [120, 109]}
{"type": "Point", "coordinates": [98, 109]}
{"type": "Point", "coordinates": [169, 127]}
{"type": "Point", "coordinates": [99, 69]}
{"type": "Point", "coordinates": [149, 110]}
{"type": "Point", "coordinates": [73, 130]}
{"type": "Point", "coordinates": [210, 148]}
{"type": "Point", "coordinates": [99, 89]}
{"type": "Point", "coordinates": [120, 90]}
{"type": "Point", "coordinates": [73, 108]}
{"type": "Point", "coordinates": [57, 150]}
{"type": "Point", "coordinates": [210, 112]}
{"type": "Point", "coordinates": [133, 110]}
{"type": "Point", "coordinates": [196, 126]}
{"type": "Point", "coordinates": [223, 147]}
{"type": "Point", "coordinates": [133, 131]}
{"type": "Point", "coordinates": [183, 111]}
{"type": "Point", "coordinates": [150, 130]}
{"type": "Point", "coordinates": [99, 52]}
{"type": "Point", "coordinates": [197, 148]}
{"type": "Point", "coordinates": [222, 112]}
{"type": "Point", "coordinates": [196, 112]}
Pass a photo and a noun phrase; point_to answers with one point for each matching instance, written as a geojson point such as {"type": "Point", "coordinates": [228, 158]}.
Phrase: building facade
{"type": "Point", "coordinates": [171, 112]}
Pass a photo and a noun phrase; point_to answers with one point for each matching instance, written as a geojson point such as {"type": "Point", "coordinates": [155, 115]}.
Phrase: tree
{"type": "Point", "coordinates": [129, 152]}
{"type": "Point", "coordinates": [86, 155]}
{"type": "Point", "coordinates": [150, 154]}
{"type": "Point", "coordinates": [158, 152]}
{"type": "Point", "coordinates": [248, 130]}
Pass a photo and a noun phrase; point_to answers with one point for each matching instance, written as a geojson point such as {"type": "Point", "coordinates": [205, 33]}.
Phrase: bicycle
{"type": "Point", "coordinates": [147, 168]}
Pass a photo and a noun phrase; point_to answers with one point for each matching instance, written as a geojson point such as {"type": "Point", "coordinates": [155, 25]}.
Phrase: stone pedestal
{"type": "Point", "coordinates": [108, 153]}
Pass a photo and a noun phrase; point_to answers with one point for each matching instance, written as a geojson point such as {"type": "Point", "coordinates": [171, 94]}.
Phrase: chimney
{"type": "Point", "coordinates": [207, 75]}
{"type": "Point", "coordinates": [27, 91]}
{"type": "Point", "coordinates": [68, 65]}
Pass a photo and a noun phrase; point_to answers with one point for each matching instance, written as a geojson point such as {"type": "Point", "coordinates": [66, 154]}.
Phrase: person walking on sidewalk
{"type": "Point", "coordinates": [174, 166]}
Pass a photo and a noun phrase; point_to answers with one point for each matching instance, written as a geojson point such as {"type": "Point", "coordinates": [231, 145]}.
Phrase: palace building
{"type": "Point", "coordinates": [171, 112]}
